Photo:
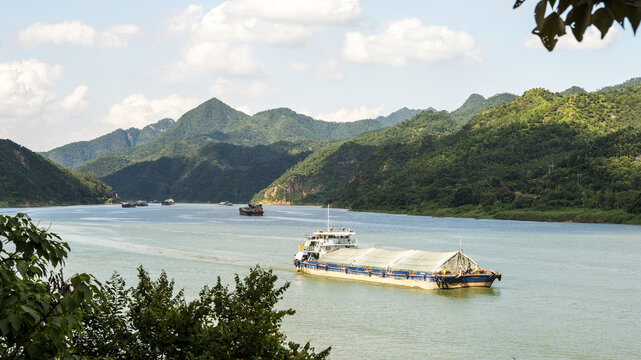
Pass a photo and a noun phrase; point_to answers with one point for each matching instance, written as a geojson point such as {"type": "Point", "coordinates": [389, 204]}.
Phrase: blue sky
{"type": "Point", "coordinates": [75, 70]}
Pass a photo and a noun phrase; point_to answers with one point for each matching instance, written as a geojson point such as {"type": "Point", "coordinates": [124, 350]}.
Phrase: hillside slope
{"type": "Point", "coordinates": [318, 179]}
{"type": "Point", "coordinates": [217, 172]}
{"type": "Point", "coordinates": [27, 179]}
{"type": "Point", "coordinates": [74, 154]}
{"type": "Point", "coordinates": [579, 154]}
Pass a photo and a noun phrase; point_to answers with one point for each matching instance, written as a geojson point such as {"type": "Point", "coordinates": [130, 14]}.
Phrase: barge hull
{"type": "Point", "coordinates": [428, 282]}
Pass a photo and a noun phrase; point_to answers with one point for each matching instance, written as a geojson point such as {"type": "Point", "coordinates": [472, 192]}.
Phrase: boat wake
{"type": "Point", "coordinates": [228, 258]}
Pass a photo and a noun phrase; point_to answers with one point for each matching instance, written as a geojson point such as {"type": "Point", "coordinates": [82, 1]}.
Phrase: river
{"type": "Point", "coordinates": [568, 290]}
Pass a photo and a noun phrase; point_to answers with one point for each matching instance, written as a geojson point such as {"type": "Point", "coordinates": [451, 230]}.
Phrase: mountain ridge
{"type": "Point", "coordinates": [29, 179]}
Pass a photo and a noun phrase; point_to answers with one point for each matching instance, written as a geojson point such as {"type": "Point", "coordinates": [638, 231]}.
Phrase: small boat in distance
{"type": "Point", "coordinates": [128, 204]}
{"type": "Point", "coordinates": [228, 203]}
{"type": "Point", "coordinates": [168, 202]}
{"type": "Point", "coordinates": [333, 253]}
{"type": "Point", "coordinates": [141, 203]}
{"type": "Point", "coordinates": [251, 210]}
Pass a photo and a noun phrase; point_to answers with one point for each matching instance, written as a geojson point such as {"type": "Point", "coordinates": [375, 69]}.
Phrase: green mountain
{"type": "Point", "coordinates": [217, 172]}
{"type": "Point", "coordinates": [398, 116]}
{"type": "Point", "coordinates": [27, 179]}
{"type": "Point", "coordinates": [318, 178]}
{"type": "Point", "coordinates": [476, 104]}
{"type": "Point", "coordinates": [214, 121]}
{"type": "Point", "coordinates": [573, 90]}
{"type": "Point", "coordinates": [630, 82]}
{"type": "Point", "coordinates": [74, 154]}
{"type": "Point", "coordinates": [543, 156]}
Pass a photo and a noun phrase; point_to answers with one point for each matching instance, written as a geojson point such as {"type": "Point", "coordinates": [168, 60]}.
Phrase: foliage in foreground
{"type": "Point", "coordinates": [151, 322]}
{"type": "Point", "coordinates": [44, 316]}
{"type": "Point", "coordinates": [38, 308]}
{"type": "Point", "coordinates": [579, 15]}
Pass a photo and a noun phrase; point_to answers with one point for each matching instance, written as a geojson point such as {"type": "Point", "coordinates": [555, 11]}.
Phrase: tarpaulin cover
{"type": "Point", "coordinates": [401, 260]}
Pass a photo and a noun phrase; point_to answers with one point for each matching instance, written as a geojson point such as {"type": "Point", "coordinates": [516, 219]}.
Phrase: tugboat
{"type": "Point", "coordinates": [334, 253]}
{"type": "Point", "coordinates": [128, 204]}
{"type": "Point", "coordinates": [251, 210]}
{"type": "Point", "coordinates": [168, 202]}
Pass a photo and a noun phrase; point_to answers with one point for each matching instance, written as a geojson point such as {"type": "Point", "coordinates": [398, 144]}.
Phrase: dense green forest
{"type": "Point", "coordinates": [544, 156]}
{"type": "Point", "coordinates": [28, 179]}
{"type": "Point", "coordinates": [71, 155]}
{"type": "Point", "coordinates": [317, 179]}
{"type": "Point", "coordinates": [211, 121]}
{"type": "Point", "coordinates": [217, 172]}
{"type": "Point", "coordinates": [214, 121]}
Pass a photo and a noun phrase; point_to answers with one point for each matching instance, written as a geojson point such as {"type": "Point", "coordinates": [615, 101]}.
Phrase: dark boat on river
{"type": "Point", "coordinates": [251, 210]}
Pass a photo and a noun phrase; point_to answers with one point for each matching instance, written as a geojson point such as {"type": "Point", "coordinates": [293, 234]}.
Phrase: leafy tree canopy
{"type": "Point", "coordinates": [44, 316]}
{"type": "Point", "coordinates": [39, 309]}
{"type": "Point", "coordinates": [579, 15]}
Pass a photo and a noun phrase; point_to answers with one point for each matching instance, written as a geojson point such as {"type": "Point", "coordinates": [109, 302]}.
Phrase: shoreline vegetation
{"type": "Point", "coordinates": [573, 215]}
{"type": "Point", "coordinates": [577, 215]}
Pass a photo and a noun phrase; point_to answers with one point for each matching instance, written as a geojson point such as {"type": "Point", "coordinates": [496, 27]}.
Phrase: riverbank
{"type": "Point", "coordinates": [577, 215]}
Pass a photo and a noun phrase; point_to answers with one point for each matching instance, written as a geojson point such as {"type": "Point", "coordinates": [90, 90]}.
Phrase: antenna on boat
{"type": "Point", "coordinates": [328, 217]}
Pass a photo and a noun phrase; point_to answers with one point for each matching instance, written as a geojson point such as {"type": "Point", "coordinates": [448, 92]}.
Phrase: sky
{"type": "Point", "coordinates": [75, 70]}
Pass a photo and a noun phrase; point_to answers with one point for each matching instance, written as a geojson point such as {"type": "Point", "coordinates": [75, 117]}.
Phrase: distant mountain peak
{"type": "Point", "coordinates": [629, 82]}
{"type": "Point", "coordinates": [573, 90]}
{"type": "Point", "coordinates": [473, 100]}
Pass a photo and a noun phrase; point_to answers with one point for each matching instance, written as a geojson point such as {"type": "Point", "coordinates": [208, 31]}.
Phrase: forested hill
{"type": "Point", "coordinates": [543, 156]}
{"type": "Point", "coordinates": [399, 115]}
{"type": "Point", "coordinates": [27, 179]}
{"type": "Point", "coordinates": [214, 121]}
{"type": "Point", "coordinates": [476, 104]}
{"type": "Point", "coordinates": [76, 153]}
{"type": "Point", "coordinates": [217, 172]}
{"type": "Point", "coordinates": [319, 178]}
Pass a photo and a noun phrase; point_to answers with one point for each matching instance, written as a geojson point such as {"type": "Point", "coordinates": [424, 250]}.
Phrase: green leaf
{"type": "Point", "coordinates": [539, 13]}
{"type": "Point", "coordinates": [4, 327]}
{"type": "Point", "coordinates": [579, 19]}
{"type": "Point", "coordinates": [31, 312]}
{"type": "Point", "coordinates": [602, 19]}
{"type": "Point", "coordinates": [15, 321]}
{"type": "Point", "coordinates": [518, 3]}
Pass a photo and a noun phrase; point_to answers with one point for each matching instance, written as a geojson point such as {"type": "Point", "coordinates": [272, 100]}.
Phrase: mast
{"type": "Point", "coordinates": [328, 217]}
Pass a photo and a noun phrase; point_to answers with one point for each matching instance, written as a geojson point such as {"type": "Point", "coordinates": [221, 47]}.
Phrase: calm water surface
{"type": "Point", "coordinates": [568, 291]}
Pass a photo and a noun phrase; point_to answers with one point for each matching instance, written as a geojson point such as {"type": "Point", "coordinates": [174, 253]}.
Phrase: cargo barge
{"type": "Point", "coordinates": [334, 253]}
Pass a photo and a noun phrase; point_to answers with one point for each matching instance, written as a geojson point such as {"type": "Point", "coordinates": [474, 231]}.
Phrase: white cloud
{"type": "Point", "coordinates": [117, 36]}
{"type": "Point", "coordinates": [227, 89]}
{"type": "Point", "coordinates": [138, 111]}
{"type": "Point", "coordinates": [75, 33]}
{"type": "Point", "coordinates": [219, 39]}
{"type": "Point", "coordinates": [298, 66]}
{"type": "Point", "coordinates": [346, 115]}
{"type": "Point", "coordinates": [314, 12]}
{"type": "Point", "coordinates": [221, 59]}
{"type": "Point", "coordinates": [409, 40]}
{"type": "Point", "coordinates": [244, 108]}
{"type": "Point", "coordinates": [329, 71]}
{"type": "Point", "coordinates": [76, 99]}
{"type": "Point", "coordinates": [25, 87]}
{"type": "Point", "coordinates": [591, 40]}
